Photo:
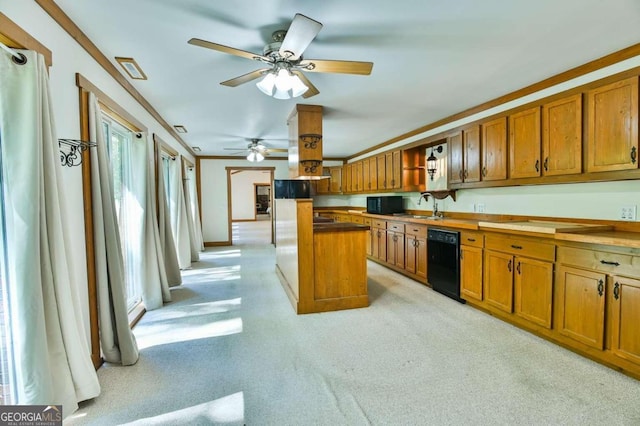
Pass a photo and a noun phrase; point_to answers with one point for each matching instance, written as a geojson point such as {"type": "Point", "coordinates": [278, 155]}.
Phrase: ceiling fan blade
{"type": "Point", "coordinates": [227, 49]}
{"type": "Point", "coordinates": [276, 150]}
{"type": "Point", "coordinates": [299, 35]}
{"type": "Point", "coordinates": [245, 78]}
{"type": "Point", "coordinates": [312, 89]}
{"type": "Point", "coordinates": [342, 67]}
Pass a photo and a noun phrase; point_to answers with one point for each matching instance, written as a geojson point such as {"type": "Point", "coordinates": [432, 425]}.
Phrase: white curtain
{"type": "Point", "coordinates": [195, 210]}
{"type": "Point", "coordinates": [117, 341]}
{"type": "Point", "coordinates": [188, 206]}
{"type": "Point", "coordinates": [49, 349]}
{"type": "Point", "coordinates": [164, 224]}
{"type": "Point", "coordinates": [154, 284]}
{"type": "Point", "coordinates": [179, 223]}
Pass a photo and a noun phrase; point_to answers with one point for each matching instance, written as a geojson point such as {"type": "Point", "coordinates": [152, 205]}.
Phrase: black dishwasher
{"type": "Point", "coordinates": [443, 262]}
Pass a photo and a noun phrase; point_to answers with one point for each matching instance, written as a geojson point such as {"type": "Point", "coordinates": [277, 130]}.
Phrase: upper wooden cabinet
{"type": "Point", "coordinates": [464, 155]}
{"type": "Point", "coordinates": [612, 126]}
{"type": "Point", "coordinates": [393, 169]}
{"type": "Point", "coordinates": [494, 149]}
{"type": "Point", "coordinates": [335, 185]}
{"type": "Point", "coordinates": [346, 177]}
{"type": "Point", "coordinates": [562, 136]}
{"type": "Point", "coordinates": [371, 183]}
{"type": "Point", "coordinates": [524, 144]}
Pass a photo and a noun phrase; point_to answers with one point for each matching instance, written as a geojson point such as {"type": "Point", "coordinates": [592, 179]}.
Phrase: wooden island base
{"type": "Point", "coordinates": [322, 266]}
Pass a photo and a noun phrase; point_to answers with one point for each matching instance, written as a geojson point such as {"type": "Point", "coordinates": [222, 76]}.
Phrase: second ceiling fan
{"type": "Point", "coordinates": [284, 77]}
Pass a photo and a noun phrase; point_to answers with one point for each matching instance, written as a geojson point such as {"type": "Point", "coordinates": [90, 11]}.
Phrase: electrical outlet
{"type": "Point", "coordinates": [628, 213]}
{"type": "Point", "coordinates": [480, 208]}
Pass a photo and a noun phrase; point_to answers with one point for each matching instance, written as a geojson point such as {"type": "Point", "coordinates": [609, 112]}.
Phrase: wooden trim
{"type": "Point", "coordinates": [74, 31]}
{"type": "Point", "coordinates": [236, 157]}
{"type": "Point", "coordinates": [112, 106]}
{"type": "Point", "coordinates": [565, 76]}
{"type": "Point", "coordinates": [90, 258]}
{"type": "Point", "coordinates": [199, 187]}
{"type": "Point", "coordinates": [217, 243]}
{"type": "Point", "coordinates": [229, 207]}
{"type": "Point", "coordinates": [12, 35]}
{"type": "Point", "coordinates": [136, 314]}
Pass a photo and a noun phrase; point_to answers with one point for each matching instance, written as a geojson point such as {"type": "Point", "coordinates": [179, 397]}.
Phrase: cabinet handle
{"type": "Point", "coordinates": [537, 165]}
{"type": "Point", "coordinates": [516, 247]}
{"type": "Point", "coordinates": [509, 266]}
{"type": "Point", "coordinates": [633, 155]}
{"type": "Point", "coordinates": [606, 262]}
{"type": "Point", "coordinates": [461, 257]}
{"type": "Point", "coordinates": [518, 269]}
{"type": "Point", "coordinates": [395, 238]}
{"type": "Point", "coordinates": [378, 234]}
{"type": "Point", "coordinates": [546, 164]}
{"type": "Point", "coordinates": [461, 174]}
{"type": "Point", "coordinates": [484, 171]}
{"type": "Point", "coordinates": [616, 291]}
{"type": "Point", "coordinates": [600, 288]}
{"type": "Point", "coordinates": [471, 239]}
{"type": "Point", "coordinates": [466, 173]}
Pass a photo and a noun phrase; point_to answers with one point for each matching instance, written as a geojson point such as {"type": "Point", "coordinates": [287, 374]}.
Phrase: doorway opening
{"type": "Point", "coordinates": [250, 191]}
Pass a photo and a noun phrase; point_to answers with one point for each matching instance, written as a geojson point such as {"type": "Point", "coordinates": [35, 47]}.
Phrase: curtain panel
{"type": "Point", "coordinates": [117, 341]}
{"type": "Point", "coordinates": [49, 350]}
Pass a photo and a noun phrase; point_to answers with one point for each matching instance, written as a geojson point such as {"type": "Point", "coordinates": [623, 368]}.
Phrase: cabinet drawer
{"type": "Point", "coordinates": [521, 247]}
{"type": "Point", "coordinates": [366, 221]}
{"type": "Point", "coordinates": [395, 226]}
{"type": "Point", "coordinates": [600, 260]}
{"type": "Point", "coordinates": [375, 223]}
{"type": "Point", "coordinates": [470, 238]}
{"type": "Point", "coordinates": [356, 219]}
{"type": "Point", "coordinates": [419, 231]}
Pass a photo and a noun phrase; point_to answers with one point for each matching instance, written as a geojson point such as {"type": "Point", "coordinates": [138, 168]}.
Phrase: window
{"type": "Point", "coordinates": [128, 191]}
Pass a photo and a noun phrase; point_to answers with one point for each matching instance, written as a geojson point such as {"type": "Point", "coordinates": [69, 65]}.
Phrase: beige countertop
{"type": "Point", "coordinates": [561, 231]}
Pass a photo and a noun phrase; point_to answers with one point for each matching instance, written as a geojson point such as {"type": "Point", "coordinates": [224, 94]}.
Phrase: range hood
{"type": "Point", "coordinates": [305, 142]}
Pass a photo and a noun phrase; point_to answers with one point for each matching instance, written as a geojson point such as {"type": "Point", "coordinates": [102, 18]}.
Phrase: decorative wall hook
{"type": "Point", "coordinates": [310, 166]}
{"type": "Point", "coordinates": [72, 154]}
{"type": "Point", "coordinates": [310, 140]}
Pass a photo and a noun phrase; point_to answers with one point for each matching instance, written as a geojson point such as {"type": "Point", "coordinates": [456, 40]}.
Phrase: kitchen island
{"type": "Point", "coordinates": [322, 266]}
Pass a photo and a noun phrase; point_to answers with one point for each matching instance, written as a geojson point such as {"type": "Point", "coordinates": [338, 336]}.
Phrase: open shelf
{"type": "Point", "coordinates": [440, 195]}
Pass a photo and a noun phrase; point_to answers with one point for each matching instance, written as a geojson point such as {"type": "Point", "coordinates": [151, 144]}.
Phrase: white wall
{"type": "Point", "coordinates": [243, 192]}
{"type": "Point", "coordinates": [68, 59]}
{"type": "Point", "coordinates": [213, 182]}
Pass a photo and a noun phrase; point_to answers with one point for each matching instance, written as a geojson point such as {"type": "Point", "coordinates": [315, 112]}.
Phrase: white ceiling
{"type": "Point", "coordinates": [432, 59]}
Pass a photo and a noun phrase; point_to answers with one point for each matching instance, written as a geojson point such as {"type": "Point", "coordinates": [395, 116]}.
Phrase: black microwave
{"type": "Point", "coordinates": [385, 205]}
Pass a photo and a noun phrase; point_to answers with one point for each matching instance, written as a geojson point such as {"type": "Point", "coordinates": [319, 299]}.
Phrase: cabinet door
{"type": "Point", "coordinates": [471, 161]}
{"type": "Point", "coordinates": [612, 125]}
{"type": "Point", "coordinates": [358, 185]}
{"type": "Point", "coordinates": [346, 177]}
{"type": "Point", "coordinates": [494, 149]}
{"type": "Point", "coordinates": [524, 144]}
{"type": "Point", "coordinates": [399, 242]}
{"type": "Point", "coordinates": [373, 173]}
{"type": "Point", "coordinates": [336, 180]}
{"type": "Point", "coordinates": [322, 185]}
{"type": "Point", "coordinates": [379, 244]}
{"type": "Point", "coordinates": [421, 257]}
{"type": "Point", "coordinates": [382, 173]}
{"type": "Point", "coordinates": [498, 280]}
{"type": "Point", "coordinates": [580, 299]}
{"type": "Point", "coordinates": [471, 272]}
{"type": "Point", "coordinates": [625, 319]}
{"type": "Point", "coordinates": [393, 169]}
{"type": "Point", "coordinates": [456, 152]}
{"type": "Point", "coordinates": [410, 254]}
{"type": "Point", "coordinates": [370, 234]}
{"type": "Point", "coordinates": [562, 136]}
{"type": "Point", "coordinates": [366, 176]}
{"type": "Point", "coordinates": [533, 290]}
{"type": "Point", "coordinates": [395, 249]}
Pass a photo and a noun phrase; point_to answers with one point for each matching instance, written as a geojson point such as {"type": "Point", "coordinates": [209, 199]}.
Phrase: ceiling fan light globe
{"type": "Point", "coordinates": [266, 84]}
{"type": "Point", "coordinates": [251, 156]}
{"type": "Point", "coordinates": [283, 80]}
{"type": "Point", "coordinates": [258, 156]}
{"type": "Point", "coordinates": [298, 88]}
{"type": "Point", "coordinates": [281, 94]}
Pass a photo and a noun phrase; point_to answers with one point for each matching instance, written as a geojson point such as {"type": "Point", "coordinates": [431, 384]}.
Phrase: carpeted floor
{"type": "Point", "coordinates": [230, 350]}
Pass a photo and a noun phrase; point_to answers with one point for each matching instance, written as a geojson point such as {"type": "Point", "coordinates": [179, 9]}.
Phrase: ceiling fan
{"type": "Point", "coordinates": [284, 77]}
{"type": "Point", "coordinates": [256, 150]}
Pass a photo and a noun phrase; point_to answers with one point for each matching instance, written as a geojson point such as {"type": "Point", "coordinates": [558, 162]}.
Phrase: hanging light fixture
{"type": "Point", "coordinates": [281, 83]}
{"type": "Point", "coordinates": [255, 156]}
{"type": "Point", "coordinates": [432, 162]}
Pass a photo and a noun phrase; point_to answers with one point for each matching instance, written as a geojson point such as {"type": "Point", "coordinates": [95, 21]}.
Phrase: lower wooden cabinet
{"type": "Point", "coordinates": [533, 290]}
{"type": "Point", "coordinates": [498, 280]}
{"type": "Point", "coordinates": [395, 248]}
{"type": "Point", "coordinates": [415, 253]}
{"type": "Point", "coordinates": [580, 300]}
{"type": "Point", "coordinates": [625, 318]}
{"type": "Point", "coordinates": [379, 246]}
{"type": "Point", "coordinates": [471, 272]}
